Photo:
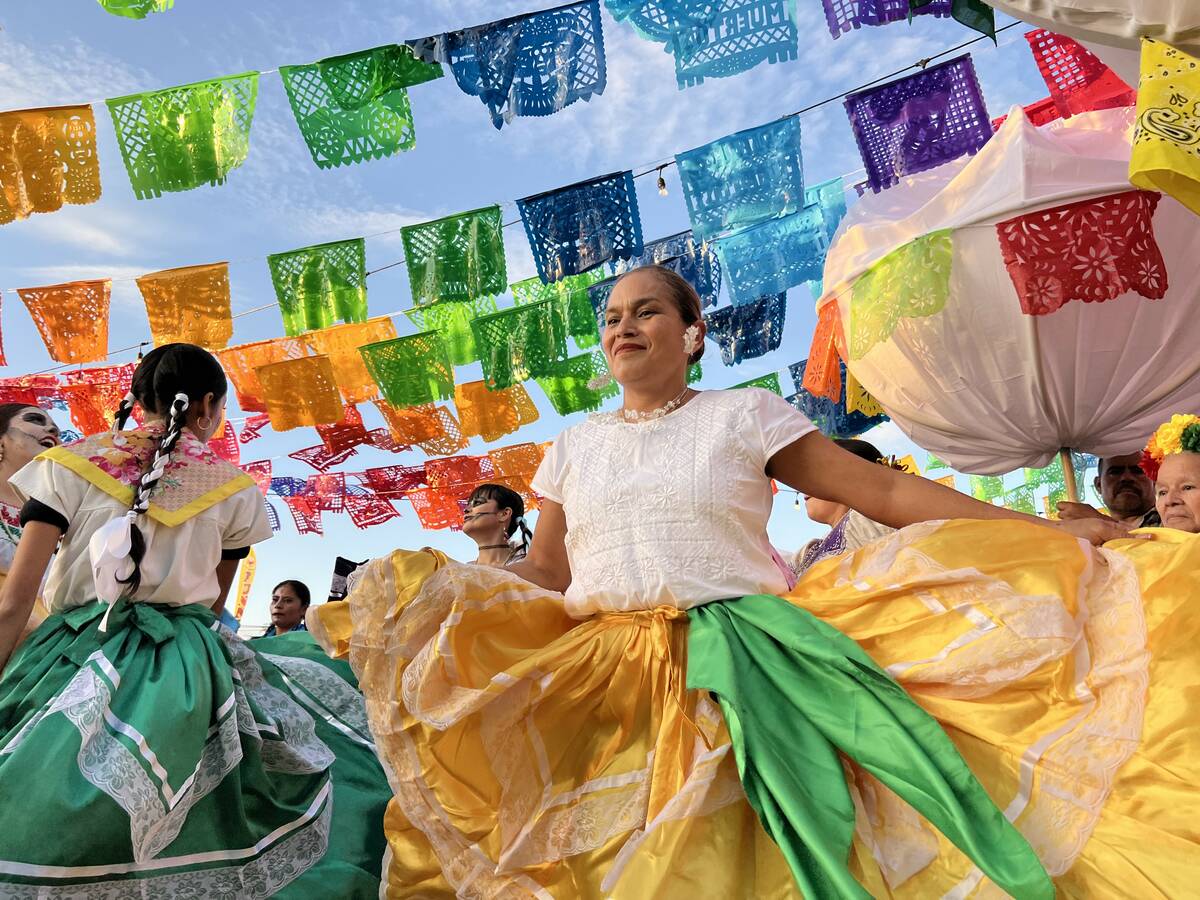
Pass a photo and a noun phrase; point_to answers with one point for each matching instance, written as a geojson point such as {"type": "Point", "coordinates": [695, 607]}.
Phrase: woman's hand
{"type": "Point", "coordinates": [1096, 531]}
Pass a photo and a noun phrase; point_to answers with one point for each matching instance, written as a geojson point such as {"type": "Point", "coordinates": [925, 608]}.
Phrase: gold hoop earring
{"type": "Point", "coordinates": [204, 422]}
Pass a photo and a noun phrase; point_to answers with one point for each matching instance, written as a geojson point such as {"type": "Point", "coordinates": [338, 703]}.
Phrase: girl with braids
{"type": "Point", "coordinates": [155, 753]}
{"type": "Point", "coordinates": [494, 514]}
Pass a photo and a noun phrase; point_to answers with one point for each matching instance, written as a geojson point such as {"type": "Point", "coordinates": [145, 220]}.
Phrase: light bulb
{"type": "Point", "coordinates": [662, 183]}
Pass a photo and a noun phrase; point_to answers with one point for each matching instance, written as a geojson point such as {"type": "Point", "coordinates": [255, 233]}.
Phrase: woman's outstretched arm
{"type": "Point", "coordinates": [38, 542]}
{"type": "Point", "coordinates": [816, 466]}
{"type": "Point", "coordinates": [546, 564]}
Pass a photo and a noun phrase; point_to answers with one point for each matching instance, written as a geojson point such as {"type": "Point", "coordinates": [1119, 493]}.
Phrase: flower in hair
{"type": "Point", "coordinates": [1180, 435]}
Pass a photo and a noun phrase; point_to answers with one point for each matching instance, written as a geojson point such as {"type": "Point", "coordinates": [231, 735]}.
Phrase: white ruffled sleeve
{"type": "Point", "coordinates": [548, 481]}
{"type": "Point", "coordinates": [51, 484]}
{"type": "Point", "coordinates": [244, 520]}
{"type": "Point", "coordinates": [772, 423]}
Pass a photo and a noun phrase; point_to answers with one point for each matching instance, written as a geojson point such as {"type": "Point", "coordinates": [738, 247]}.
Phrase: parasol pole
{"type": "Point", "coordinates": [1068, 468]}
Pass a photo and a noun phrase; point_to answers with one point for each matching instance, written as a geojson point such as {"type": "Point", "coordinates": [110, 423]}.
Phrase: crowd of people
{"type": "Point", "coordinates": [642, 699]}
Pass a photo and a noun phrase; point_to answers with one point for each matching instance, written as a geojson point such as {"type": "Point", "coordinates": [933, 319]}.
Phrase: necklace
{"type": "Point", "coordinates": [635, 415]}
{"type": "Point", "coordinates": [496, 547]}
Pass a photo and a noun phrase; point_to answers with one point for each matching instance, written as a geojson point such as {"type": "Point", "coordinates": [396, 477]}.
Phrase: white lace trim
{"type": "Point", "coordinates": [326, 694]}
{"type": "Point", "coordinates": [283, 857]}
{"type": "Point", "coordinates": [293, 746]}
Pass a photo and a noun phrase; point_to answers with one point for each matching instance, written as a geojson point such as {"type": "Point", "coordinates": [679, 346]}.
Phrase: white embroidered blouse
{"type": "Point", "coordinates": [180, 563]}
{"type": "Point", "coordinates": [671, 512]}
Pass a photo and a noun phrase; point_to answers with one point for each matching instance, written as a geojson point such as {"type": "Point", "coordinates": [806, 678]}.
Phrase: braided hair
{"type": "Point", "coordinates": [166, 383]}
{"type": "Point", "coordinates": [506, 498]}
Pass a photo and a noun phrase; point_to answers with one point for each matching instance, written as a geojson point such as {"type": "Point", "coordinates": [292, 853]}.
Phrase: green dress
{"type": "Point", "coordinates": [146, 750]}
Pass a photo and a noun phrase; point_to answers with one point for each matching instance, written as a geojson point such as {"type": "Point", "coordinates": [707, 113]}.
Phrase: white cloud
{"type": "Point", "coordinates": [57, 274]}
{"type": "Point", "coordinates": [114, 236]}
{"type": "Point", "coordinates": [62, 74]}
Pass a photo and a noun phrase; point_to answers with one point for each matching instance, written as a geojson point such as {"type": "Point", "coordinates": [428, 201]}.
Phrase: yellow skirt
{"type": "Point", "coordinates": [534, 755]}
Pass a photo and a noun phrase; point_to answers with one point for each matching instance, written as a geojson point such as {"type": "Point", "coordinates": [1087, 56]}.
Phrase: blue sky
{"type": "Point", "coordinates": [68, 51]}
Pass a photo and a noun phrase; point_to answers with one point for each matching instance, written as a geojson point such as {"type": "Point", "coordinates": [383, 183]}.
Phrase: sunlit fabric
{"type": "Point", "coordinates": [136, 9]}
{"type": "Point", "coordinates": [1060, 729]}
{"type": "Point", "coordinates": [1043, 112]}
{"type": "Point", "coordinates": [844, 15]}
{"type": "Point", "coordinates": [774, 256]}
{"type": "Point", "coordinates": [662, 20]}
{"type": "Point", "coordinates": [452, 320]}
{"type": "Point", "coordinates": [355, 107]}
{"type": "Point", "coordinates": [492, 414]}
{"type": "Point", "coordinates": [517, 460]}
{"type": "Point", "coordinates": [340, 343]}
{"type": "Point", "coordinates": [72, 318]}
{"type": "Point", "coordinates": [1078, 81]}
{"type": "Point", "coordinates": [260, 471]}
{"type": "Point", "coordinates": [321, 457]}
{"type": "Point", "coordinates": [919, 122]}
{"type": "Point", "coordinates": [835, 420]}
{"type": "Point", "coordinates": [786, 252]}
{"type": "Point", "coordinates": [1022, 387]}
{"type": "Point", "coordinates": [1166, 144]}
{"type": "Point", "coordinates": [459, 257]}
{"type": "Point", "coordinates": [910, 282]}
{"type": "Point", "coordinates": [347, 433]}
{"type": "Point", "coordinates": [94, 394]}
{"type": "Point", "coordinates": [47, 158]}
{"type": "Point", "coordinates": [320, 285]}
{"type": "Point", "coordinates": [768, 382]}
{"type": "Point", "coordinates": [520, 343]}
{"type": "Point", "coordinates": [530, 65]}
{"type": "Point", "coordinates": [694, 261]}
{"type": "Point", "coordinates": [742, 35]}
{"type": "Point", "coordinates": [242, 361]}
{"type": "Point", "coordinates": [411, 370]}
{"type": "Point", "coordinates": [225, 444]}
{"type": "Point", "coordinates": [432, 428]}
{"type": "Point", "coordinates": [300, 392]}
{"type": "Point", "coordinates": [179, 138]}
{"type": "Point", "coordinates": [306, 514]}
{"type": "Point", "coordinates": [369, 511]}
{"type": "Point", "coordinates": [1112, 23]}
{"type": "Point", "coordinates": [189, 305]}
{"type": "Point", "coordinates": [571, 295]}
{"type": "Point", "coordinates": [750, 331]}
{"type": "Point", "coordinates": [576, 228]}
{"type": "Point", "coordinates": [1093, 250]}
{"type": "Point", "coordinates": [744, 178]}
{"type": "Point", "coordinates": [568, 388]}
{"type": "Point", "coordinates": [394, 481]}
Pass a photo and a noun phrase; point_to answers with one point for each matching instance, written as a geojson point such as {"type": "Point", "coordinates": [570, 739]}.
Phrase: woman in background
{"type": "Point", "coordinates": [25, 431]}
{"type": "Point", "coordinates": [289, 602]}
{"type": "Point", "coordinates": [494, 514]}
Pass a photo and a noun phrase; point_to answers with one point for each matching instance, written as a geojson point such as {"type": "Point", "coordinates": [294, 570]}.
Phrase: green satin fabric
{"type": "Point", "coordinates": [796, 694]}
{"type": "Point", "coordinates": [143, 734]}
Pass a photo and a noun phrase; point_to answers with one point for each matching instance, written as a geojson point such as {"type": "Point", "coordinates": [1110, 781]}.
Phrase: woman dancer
{"type": "Point", "coordinates": [25, 431]}
{"type": "Point", "coordinates": [672, 728]}
{"type": "Point", "coordinates": [494, 514]}
{"type": "Point", "coordinates": [153, 753]}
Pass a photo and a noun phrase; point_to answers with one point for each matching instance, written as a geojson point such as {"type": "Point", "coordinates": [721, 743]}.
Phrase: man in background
{"type": "Point", "coordinates": [1127, 493]}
